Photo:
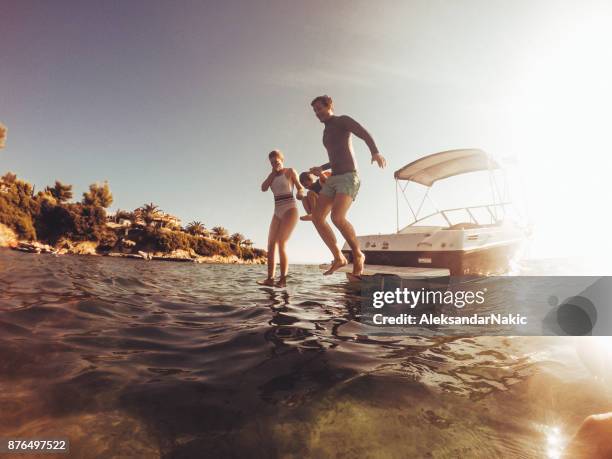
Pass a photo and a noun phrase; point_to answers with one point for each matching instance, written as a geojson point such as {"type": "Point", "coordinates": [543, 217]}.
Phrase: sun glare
{"type": "Point", "coordinates": [561, 114]}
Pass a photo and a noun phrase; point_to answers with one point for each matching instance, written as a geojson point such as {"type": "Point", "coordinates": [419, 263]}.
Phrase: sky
{"type": "Point", "coordinates": [179, 103]}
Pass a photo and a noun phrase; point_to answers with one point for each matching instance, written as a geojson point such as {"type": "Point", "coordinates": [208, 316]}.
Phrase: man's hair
{"type": "Point", "coordinates": [324, 99]}
{"type": "Point", "coordinates": [276, 153]}
{"type": "Point", "coordinates": [303, 177]}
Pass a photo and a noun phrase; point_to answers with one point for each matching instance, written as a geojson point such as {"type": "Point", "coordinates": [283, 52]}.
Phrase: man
{"type": "Point", "coordinates": [340, 189]}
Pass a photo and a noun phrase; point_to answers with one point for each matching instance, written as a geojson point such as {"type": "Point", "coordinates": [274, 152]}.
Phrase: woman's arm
{"type": "Point", "coordinates": [268, 181]}
{"type": "Point", "coordinates": [296, 181]}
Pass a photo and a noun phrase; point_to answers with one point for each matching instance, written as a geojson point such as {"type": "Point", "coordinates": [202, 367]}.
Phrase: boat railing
{"type": "Point", "coordinates": [491, 209]}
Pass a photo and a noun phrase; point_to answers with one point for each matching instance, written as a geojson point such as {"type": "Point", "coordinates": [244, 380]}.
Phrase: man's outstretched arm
{"type": "Point", "coordinates": [355, 128]}
{"type": "Point", "coordinates": [318, 170]}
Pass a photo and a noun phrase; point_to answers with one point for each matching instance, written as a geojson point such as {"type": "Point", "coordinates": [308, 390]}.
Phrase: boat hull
{"type": "Point", "coordinates": [478, 261]}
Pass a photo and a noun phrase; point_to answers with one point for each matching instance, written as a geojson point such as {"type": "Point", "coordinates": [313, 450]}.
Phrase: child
{"type": "Point", "coordinates": [313, 185]}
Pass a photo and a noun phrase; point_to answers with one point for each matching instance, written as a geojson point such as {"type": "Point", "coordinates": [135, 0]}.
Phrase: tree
{"type": "Point", "coordinates": [148, 212]}
{"type": "Point", "coordinates": [124, 214]}
{"type": "Point", "coordinates": [237, 238]}
{"type": "Point", "coordinates": [196, 228]}
{"type": "Point", "coordinates": [8, 179]}
{"type": "Point", "coordinates": [220, 232]}
{"type": "Point", "coordinates": [62, 193]}
{"type": "Point", "coordinates": [2, 135]}
{"type": "Point", "coordinates": [99, 195]}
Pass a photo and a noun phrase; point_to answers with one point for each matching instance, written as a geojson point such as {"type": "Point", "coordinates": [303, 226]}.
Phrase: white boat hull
{"type": "Point", "coordinates": [485, 250]}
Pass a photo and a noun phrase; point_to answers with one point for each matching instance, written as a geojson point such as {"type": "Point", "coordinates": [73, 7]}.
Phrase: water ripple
{"type": "Point", "coordinates": [181, 357]}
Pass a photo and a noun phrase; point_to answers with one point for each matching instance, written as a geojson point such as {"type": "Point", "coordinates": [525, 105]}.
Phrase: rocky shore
{"type": "Point", "coordinates": [64, 247]}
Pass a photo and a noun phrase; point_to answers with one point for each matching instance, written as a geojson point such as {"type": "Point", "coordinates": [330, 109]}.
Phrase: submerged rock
{"type": "Point", "coordinates": [34, 247]}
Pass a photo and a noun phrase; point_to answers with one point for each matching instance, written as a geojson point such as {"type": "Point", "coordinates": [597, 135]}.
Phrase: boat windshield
{"type": "Point", "coordinates": [473, 216]}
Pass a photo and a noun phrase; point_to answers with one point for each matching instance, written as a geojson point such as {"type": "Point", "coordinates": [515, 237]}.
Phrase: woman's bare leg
{"type": "Point", "coordinates": [287, 226]}
{"type": "Point", "coordinates": [272, 237]}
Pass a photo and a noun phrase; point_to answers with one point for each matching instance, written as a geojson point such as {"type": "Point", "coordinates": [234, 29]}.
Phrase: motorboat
{"type": "Point", "coordinates": [476, 240]}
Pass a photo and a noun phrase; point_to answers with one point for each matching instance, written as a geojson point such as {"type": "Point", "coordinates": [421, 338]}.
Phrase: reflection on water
{"type": "Point", "coordinates": [554, 442]}
{"type": "Point", "coordinates": [153, 359]}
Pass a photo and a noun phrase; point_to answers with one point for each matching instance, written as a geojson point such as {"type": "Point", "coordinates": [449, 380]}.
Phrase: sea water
{"type": "Point", "coordinates": [157, 359]}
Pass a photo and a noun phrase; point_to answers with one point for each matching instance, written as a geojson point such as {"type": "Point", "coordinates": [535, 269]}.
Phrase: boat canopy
{"type": "Point", "coordinates": [432, 168]}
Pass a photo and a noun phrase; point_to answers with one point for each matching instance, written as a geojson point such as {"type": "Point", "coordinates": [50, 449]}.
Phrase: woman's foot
{"type": "Point", "coordinates": [358, 262]}
{"type": "Point", "coordinates": [306, 218]}
{"type": "Point", "coordinates": [336, 265]}
{"type": "Point", "coordinates": [282, 282]}
{"type": "Point", "coordinates": [268, 282]}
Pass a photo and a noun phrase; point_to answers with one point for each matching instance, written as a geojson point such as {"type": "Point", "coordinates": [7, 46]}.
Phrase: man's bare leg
{"type": "Point", "coordinates": [341, 205]}
{"type": "Point", "coordinates": [319, 216]}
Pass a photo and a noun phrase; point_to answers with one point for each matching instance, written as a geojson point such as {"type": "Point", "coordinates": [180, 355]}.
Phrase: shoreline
{"type": "Point", "coordinates": [9, 240]}
{"type": "Point", "coordinates": [176, 257]}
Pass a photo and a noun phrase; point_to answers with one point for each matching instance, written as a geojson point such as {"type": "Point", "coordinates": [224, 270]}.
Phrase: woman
{"type": "Point", "coordinates": [281, 180]}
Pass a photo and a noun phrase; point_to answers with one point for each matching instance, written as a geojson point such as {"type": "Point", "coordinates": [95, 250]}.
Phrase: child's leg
{"type": "Point", "coordinates": [311, 198]}
{"type": "Point", "coordinates": [310, 202]}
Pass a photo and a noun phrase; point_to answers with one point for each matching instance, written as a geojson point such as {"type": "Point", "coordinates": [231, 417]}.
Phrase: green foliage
{"type": "Point", "coordinates": [148, 212]}
{"type": "Point", "coordinates": [3, 131]}
{"type": "Point", "coordinates": [108, 240]}
{"type": "Point", "coordinates": [17, 206]}
{"type": "Point", "coordinates": [237, 238]}
{"type": "Point", "coordinates": [124, 214]}
{"type": "Point", "coordinates": [99, 195]}
{"type": "Point", "coordinates": [220, 232]}
{"type": "Point", "coordinates": [62, 193]}
{"type": "Point", "coordinates": [89, 222]}
{"type": "Point", "coordinates": [73, 221]}
{"type": "Point", "coordinates": [168, 241]}
{"type": "Point", "coordinates": [49, 217]}
{"type": "Point", "coordinates": [16, 219]}
{"type": "Point", "coordinates": [195, 228]}
{"type": "Point", "coordinates": [54, 222]}
{"type": "Point", "coordinates": [209, 247]}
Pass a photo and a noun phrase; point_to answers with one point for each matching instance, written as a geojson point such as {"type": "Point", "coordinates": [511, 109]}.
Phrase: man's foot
{"type": "Point", "coordinates": [336, 265]}
{"type": "Point", "coordinates": [358, 262]}
{"type": "Point", "coordinates": [282, 282]}
{"type": "Point", "coordinates": [268, 282]}
{"type": "Point", "coordinates": [306, 218]}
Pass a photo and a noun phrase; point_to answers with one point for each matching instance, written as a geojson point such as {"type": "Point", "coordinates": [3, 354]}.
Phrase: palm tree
{"type": "Point", "coordinates": [196, 228]}
{"type": "Point", "coordinates": [237, 238]}
{"type": "Point", "coordinates": [148, 212]}
{"type": "Point", "coordinates": [220, 232]}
